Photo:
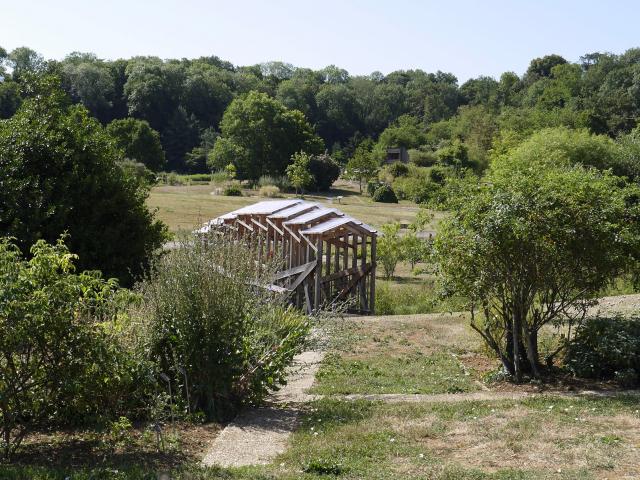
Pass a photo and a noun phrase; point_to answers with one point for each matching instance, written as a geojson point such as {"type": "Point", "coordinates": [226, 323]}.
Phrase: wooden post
{"type": "Point", "coordinates": [363, 280]}
{"type": "Point", "coordinates": [372, 275]}
{"type": "Point", "coordinates": [318, 287]}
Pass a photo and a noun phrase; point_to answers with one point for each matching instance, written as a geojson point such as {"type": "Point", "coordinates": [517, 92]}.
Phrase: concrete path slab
{"type": "Point", "coordinates": [259, 434]}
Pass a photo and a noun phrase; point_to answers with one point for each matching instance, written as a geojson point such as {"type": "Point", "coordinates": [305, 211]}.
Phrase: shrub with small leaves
{"type": "Point", "coordinates": [385, 194]}
{"type": "Point", "coordinates": [606, 349]}
{"type": "Point", "coordinates": [232, 190]}
{"type": "Point", "coordinates": [60, 359]}
{"type": "Point", "coordinates": [398, 169]}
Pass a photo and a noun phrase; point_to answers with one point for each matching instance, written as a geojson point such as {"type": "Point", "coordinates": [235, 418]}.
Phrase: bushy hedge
{"type": "Point", "coordinates": [384, 194]}
{"type": "Point", "coordinates": [417, 190]}
{"type": "Point", "coordinates": [606, 349]}
{"type": "Point", "coordinates": [423, 158]}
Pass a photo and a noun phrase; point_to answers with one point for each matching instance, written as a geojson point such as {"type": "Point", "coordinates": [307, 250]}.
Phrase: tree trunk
{"type": "Point", "coordinates": [532, 351]}
{"type": "Point", "coordinates": [517, 329]}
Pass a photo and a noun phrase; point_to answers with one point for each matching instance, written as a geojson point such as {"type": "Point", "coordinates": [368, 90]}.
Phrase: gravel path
{"type": "Point", "coordinates": [259, 434]}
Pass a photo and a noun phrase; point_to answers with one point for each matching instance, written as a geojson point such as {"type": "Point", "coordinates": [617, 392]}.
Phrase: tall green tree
{"type": "Point", "coordinates": [138, 141]}
{"type": "Point", "coordinates": [533, 245]}
{"type": "Point", "coordinates": [59, 172]}
{"type": "Point", "coordinates": [298, 171]}
{"type": "Point", "coordinates": [259, 135]}
{"type": "Point", "coordinates": [363, 166]}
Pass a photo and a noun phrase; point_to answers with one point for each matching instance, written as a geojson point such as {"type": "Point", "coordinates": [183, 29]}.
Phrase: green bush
{"type": "Point", "coordinates": [199, 177]}
{"type": "Point", "coordinates": [59, 173]}
{"type": "Point", "coordinates": [172, 178]}
{"type": "Point", "coordinates": [222, 340]}
{"type": "Point", "coordinates": [385, 194]}
{"type": "Point", "coordinates": [324, 171]}
{"type": "Point", "coordinates": [372, 186]}
{"type": "Point", "coordinates": [417, 190]}
{"type": "Point", "coordinates": [423, 158]}
{"type": "Point", "coordinates": [606, 349]}
{"type": "Point", "coordinates": [439, 174]}
{"type": "Point", "coordinates": [232, 190]}
{"type": "Point", "coordinates": [138, 172]}
{"type": "Point", "coordinates": [398, 169]}
{"type": "Point", "coordinates": [61, 361]}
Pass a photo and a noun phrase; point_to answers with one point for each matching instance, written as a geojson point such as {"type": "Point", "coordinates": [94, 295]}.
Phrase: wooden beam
{"type": "Point", "coordinates": [354, 281]}
{"type": "Point", "coordinates": [293, 271]}
{"type": "Point", "coordinates": [257, 223]}
{"type": "Point", "coordinates": [275, 227]}
{"type": "Point", "coordinates": [317, 294]}
{"type": "Point", "coordinates": [310, 267]}
{"type": "Point", "coordinates": [344, 273]}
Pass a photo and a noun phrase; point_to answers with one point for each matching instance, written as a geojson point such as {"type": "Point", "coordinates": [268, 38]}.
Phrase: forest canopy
{"type": "Point", "coordinates": [184, 101]}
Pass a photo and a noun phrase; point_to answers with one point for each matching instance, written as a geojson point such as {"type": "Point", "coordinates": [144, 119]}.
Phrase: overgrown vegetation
{"type": "Point", "coordinates": [220, 338]}
{"type": "Point", "coordinates": [59, 173]}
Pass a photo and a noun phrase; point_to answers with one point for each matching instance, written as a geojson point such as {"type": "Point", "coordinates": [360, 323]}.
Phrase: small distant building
{"type": "Point", "coordinates": [397, 154]}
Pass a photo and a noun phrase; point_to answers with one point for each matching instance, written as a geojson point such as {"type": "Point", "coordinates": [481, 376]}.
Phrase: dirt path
{"type": "Point", "coordinates": [259, 434]}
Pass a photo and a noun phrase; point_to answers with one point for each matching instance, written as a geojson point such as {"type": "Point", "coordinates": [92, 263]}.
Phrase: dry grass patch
{"type": "Point", "coordinates": [183, 207]}
{"type": "Point", "coordinates": [534, 439]}
{"type": "Point", "coordinates": [138, 447]}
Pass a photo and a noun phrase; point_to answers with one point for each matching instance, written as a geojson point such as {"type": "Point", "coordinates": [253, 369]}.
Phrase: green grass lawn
{"type": "Point", "coordinates": [402, 354]}
{"type": "Point", "coordinates": [542, 438]}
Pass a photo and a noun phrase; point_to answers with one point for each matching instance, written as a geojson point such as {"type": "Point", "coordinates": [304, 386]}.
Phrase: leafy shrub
{"type": "Point", "coordinates": [606, 348]}
{"type": "Point", "coordinates": [232, 190]}
{"type": "Point", "coordinates": [220, 339]}
{"type": "Point", "coordinates": [372, 186]}
{"type": "Point", "coordinates": [269, 191]}
{"type": "Point", "coordinates": [385, 194]}
{"type": "Point", "coordinates": [138, 172]}
{"type": "Point", "coordinates": [398, 169]}
{"type": "Point", "coordinates": [60, 359]}
{"type": "Point", "coordinates": [423, 158]}
{"type": "Point", "coordinates": [417, 190]}
{"type": "Point", "coordinates": [389, 248]}
{"type": "Point", "coordinates": [439, 174]}
{"type": "Point", "coordinates": [172, 178]}
{"type": "Point", "coordinates": [59, 173]}
{"type": "Point", "coordinates": [324, 171]}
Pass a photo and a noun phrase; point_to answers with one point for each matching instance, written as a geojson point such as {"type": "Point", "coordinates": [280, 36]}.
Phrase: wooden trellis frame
{"type": "Point", "coordinates": [327, 256]}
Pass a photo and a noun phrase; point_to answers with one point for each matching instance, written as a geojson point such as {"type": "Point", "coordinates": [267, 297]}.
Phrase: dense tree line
{"type": "Point", "coordinates": [185, 100]}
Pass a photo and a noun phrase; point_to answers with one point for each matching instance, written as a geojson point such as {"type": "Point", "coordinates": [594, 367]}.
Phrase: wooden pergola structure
{"type": "Point", "coordinates": [327, 256]}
